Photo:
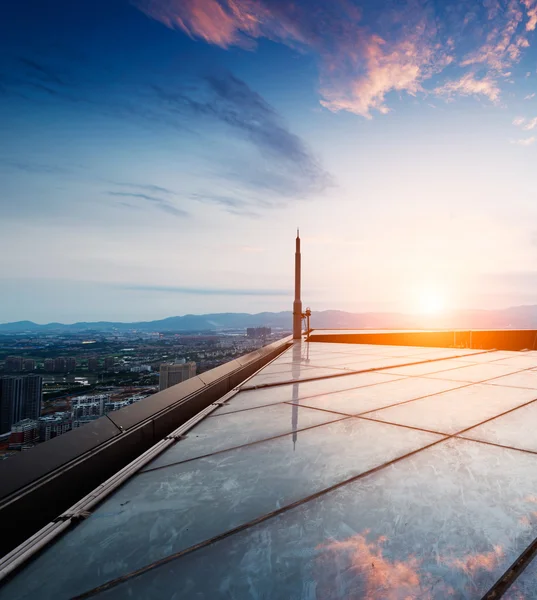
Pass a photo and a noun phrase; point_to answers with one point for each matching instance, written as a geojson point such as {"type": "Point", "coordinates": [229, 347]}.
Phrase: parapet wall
{"type": "Point", "coordinates": [38, 484]}
{"type": "Point", "coordinates": [479, 339]}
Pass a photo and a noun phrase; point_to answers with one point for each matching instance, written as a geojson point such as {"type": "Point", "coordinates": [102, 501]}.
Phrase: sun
{"type": "Point", "coordinates": [431, 301]}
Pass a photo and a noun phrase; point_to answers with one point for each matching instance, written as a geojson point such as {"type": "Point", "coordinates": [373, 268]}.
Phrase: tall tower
{"type": "Point", "coordinates": [297, 304]}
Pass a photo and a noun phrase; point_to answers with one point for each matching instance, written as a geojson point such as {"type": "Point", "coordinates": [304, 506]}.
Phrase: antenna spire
{"type": "Point", "coordinates": [297, 304]}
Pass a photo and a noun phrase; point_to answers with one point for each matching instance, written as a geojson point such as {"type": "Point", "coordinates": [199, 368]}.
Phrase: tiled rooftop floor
{"type": "Point", "coordinates": [415, 478]}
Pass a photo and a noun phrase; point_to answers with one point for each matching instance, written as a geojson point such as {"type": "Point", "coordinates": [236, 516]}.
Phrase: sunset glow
{"type": "Point", "coordinates": [431, 301]}
{"type": "Point", "coordinates": [173, 148]}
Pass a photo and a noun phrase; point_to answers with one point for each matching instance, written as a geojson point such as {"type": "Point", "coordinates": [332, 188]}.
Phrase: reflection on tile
{"type": "Point", "coordinates": [343, 359]}
{"type": "Point", "coordinates": [294, 374]}
{"type": "Point", "coordinates": [370, 398]}
{"type": "Point", "coordinates": [475, 373]}
{"type": "Point", "coordinates": [516, 429]}
{"type": "Point", "coordinates": [449, 352]}
{"type": "Point", "coordinates": [427, 368]}
{"type": "Point", "coordinates": [286, 368]}
{"type": "Point", "coordinates": [378, 363]}
{"type": "Point", "coordinates": [491, 356]}
{"type": "Point", "coordinates": [160, 512]}
{"type": "Point", "coordinates": [455, 410]}
{"type": "Point", "coordinates": [235, 429]}
{"type": "Point", "coordinates": [286, 393]}
{"type": "Point", "coordinates": [522, 360]}
{"type": "Point", "coordinates": [444, 523]}
{"type": "Point", "coordinates": [525, 379]}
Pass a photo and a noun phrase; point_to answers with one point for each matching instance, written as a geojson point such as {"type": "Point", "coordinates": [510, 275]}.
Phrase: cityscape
{"type": "Point", "coordinates": [268, 300]}
{"type": "Point", "coordinates": [53, 383]}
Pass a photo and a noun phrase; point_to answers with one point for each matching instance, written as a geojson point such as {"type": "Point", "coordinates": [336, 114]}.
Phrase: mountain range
{"type": "Point", "coordinates": [518, 317]}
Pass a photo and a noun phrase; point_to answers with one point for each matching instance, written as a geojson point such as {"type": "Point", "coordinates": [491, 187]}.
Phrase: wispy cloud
{"type": "Point", "coordinates": [525, 124]}
{"type": "Point", "coordinates": [529, 96]}
{"type": "Point", "coordinates": [504, 40]}
{"type": "Point", "coordinates": [33, 167]}
{"type": "Point", "coordinates": [148, 187]}
{"type": "Point", "coordinates": [366, 53]}
{"type": "Point", "coordinates": [468, 85]}
{"type": "Point", "coordinates": [229, 100]}
{"type": "Point", "coordinates": [203, 291]}
{"type": "Point", "coordinates": [230, 204]}
{"type": "Point", "coordinates": [41, 71]}
{"type": "Point", "coordinates": [160, 203]}
{"type": "Point", "coordinates": [524, 141]}
{"type": "Point", "coordinates": [531, 124]}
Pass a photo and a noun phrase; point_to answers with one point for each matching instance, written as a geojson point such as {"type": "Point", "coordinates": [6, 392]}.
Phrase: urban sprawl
{"type": "Point", "coordinates": [55, 382]}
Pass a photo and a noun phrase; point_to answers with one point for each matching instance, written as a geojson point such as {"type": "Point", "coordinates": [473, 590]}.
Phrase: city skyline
{"type": "Point", "coordinates": [157, 156]}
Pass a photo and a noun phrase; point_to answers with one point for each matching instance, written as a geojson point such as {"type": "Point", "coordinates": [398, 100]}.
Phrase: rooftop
{"type": "Point", "coordinates": [336, 471]}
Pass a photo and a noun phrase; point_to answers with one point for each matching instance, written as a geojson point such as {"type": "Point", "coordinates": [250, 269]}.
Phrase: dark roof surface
{"type": "Point", "coordinates": [338, 471]}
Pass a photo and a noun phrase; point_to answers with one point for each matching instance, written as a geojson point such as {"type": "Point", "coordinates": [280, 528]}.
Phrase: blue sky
{"type": "Point", "coordinates": [156, 156]}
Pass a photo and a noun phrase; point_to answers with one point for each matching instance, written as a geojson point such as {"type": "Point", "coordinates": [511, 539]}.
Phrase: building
{"type": "Point", "coordinates": [49, 365]}
{"type": "Point", "coordinates": [109, 363]}
{"type": "Point", "coordinates": [141, 369]}
{"type": "Point", "coordinates": [23, 433]}
{"type": "Point", "coordinates": [60, 364]}
{"type": "Point", "coordinates": [93, 364]}
{"type": "Point", "coordinates": [20, 398]}
{"type": "Point", "coordinates": [29, 364]}
{"type": "Point", "coordinates": [13, 364]}
{"type": "Point", "coordinates": [172, 374]}
{"type": "Point", "coordinates": [258, 332]}
{"type": "Point", "coordinates": [54, 425]}
{"type": "Point", "coordinates": [71, 364]}
{"type": "Point", "coordinates": [88, 408]}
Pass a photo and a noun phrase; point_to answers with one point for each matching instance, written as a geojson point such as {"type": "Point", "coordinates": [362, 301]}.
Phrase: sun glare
{"type": "Point", "coordinates": [431, 301]}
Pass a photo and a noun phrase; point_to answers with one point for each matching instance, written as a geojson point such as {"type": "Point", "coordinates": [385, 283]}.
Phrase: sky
{"type": "Point", "coordinates": [156, 156]}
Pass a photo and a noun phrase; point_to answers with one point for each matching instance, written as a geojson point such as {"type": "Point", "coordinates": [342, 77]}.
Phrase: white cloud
{"type": "Point", "coordinates": [531, 124]}
{"type": "Point", "coordinates": [525, 141]}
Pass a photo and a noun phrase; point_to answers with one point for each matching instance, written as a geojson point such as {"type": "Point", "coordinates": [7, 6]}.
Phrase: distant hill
{"type": "Point", "coordinates": [518, 317]}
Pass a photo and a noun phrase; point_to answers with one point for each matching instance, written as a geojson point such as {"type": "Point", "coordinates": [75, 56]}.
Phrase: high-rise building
{"type": "Point", "coordinates": [29, 364]}
{"type": "Point", "coordinates": [49, 365]}
{"type": "Point", "coordinates": [93, 364]}
{"type": "Point", "coordinates": [20, 398]}
{"type": "Point", "coordinates": [13, 364]}
{"type": "Point", "coordinates": [172, 374]}
{"type": "Point", "coordinates": [109, 363]}
{"type": "Point", "coordinates": [60, 364]}
{"type": "Point", "coordinates": [71, 364]}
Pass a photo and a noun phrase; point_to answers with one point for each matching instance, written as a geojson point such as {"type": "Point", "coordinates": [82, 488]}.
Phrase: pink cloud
{"type": "Point", "coordinates": [468, 85]}
{"type": "Point", "coordinates": [360, 63]}
{"type": "Point", "coordinates": [504, 42]}
{"type": "Point", "coordinates": [531, 11]}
